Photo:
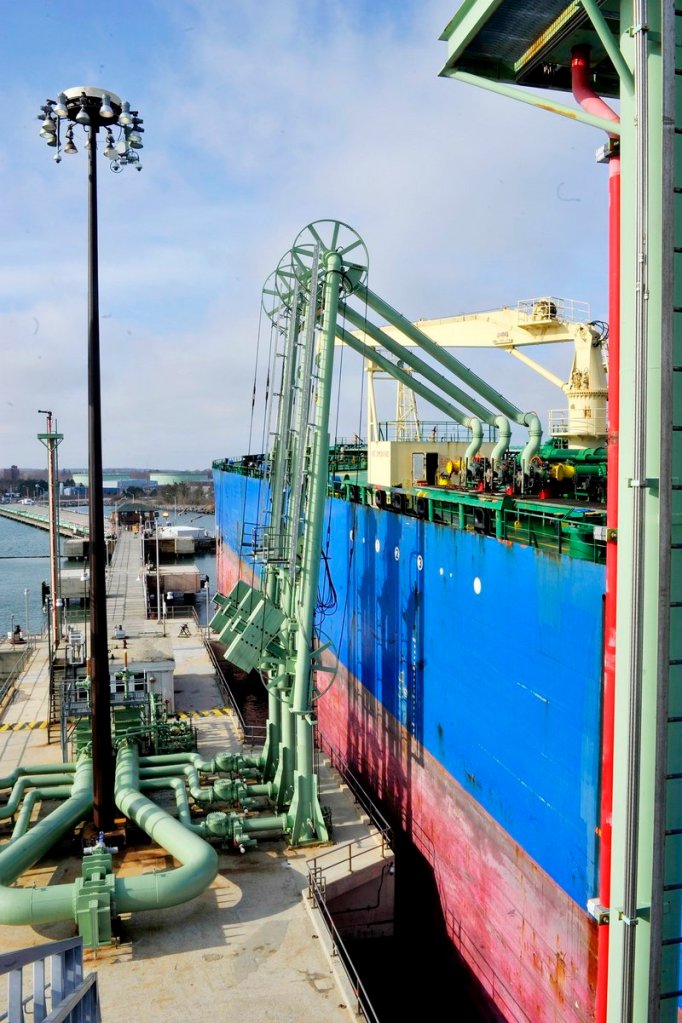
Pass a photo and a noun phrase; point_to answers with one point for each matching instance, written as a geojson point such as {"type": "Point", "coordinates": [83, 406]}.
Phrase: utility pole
{"type": "Point", "coordinates": [51, 439]}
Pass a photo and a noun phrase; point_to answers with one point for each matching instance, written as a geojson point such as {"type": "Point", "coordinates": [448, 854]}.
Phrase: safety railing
{"type": "Point", "coordinates": [8, 682]}
{"type": "Point", "coordinates": [440, 432]}
{"type": "Point", "coordinates": [340, 952]}
{"type": "Point", "coordinates": [56, 978]}
{"type": "Point", "coordinates": [348, 856]}
{"type": "Point", "coordinates": [563, 424]}
{"type": "Point", "coordinates": [552, 307]}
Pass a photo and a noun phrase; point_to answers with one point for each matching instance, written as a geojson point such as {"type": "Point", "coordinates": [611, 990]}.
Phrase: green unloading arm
{"type": "Point", "coordinates": [447, 360]}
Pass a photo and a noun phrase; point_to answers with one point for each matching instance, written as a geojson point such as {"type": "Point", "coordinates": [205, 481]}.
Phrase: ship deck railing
{"type": "Point", "coordinates": [433, 431]}
{"type": "Point", "coordinates": [73, 998]}
{"type": "Point", "coordinates": [573, 527]}
{"type": "Point", "coordinates": [556, 526]}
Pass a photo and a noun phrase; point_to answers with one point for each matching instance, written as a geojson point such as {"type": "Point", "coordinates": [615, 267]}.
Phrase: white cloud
{"type": "Point", "coordinates": [260, 119]}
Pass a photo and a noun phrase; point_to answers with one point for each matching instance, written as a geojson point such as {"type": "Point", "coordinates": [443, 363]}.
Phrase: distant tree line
{"type": "Point", "coordinates": [31, 487]}
{"type": "Point", "coordinates": [192, 495]}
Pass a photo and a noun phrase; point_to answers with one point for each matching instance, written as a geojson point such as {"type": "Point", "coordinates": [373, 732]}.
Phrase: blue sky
{"type": "Point", "coordinates": [262, 117]}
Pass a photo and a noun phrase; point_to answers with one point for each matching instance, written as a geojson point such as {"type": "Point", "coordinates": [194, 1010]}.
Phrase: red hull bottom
{"type": "Point", "coordinates": [531, 947]}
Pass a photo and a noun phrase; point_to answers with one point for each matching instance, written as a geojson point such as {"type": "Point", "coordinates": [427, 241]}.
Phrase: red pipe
{"type": "Point", "coordinates": [588, 99]}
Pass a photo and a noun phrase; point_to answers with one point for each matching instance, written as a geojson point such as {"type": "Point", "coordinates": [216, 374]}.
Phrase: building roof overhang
{"type": "Point", "coordinates": [529, 42]}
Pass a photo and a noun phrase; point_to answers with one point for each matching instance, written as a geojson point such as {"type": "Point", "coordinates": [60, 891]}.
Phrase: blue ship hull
{"type": "Point", "coordinates": [468, 695]}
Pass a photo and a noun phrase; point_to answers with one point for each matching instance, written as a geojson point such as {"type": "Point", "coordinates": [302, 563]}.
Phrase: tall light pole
{"type": "Point", "coordinates": [92, 109]}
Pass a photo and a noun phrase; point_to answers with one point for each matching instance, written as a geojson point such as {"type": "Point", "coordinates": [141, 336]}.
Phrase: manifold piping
{"type": "Point", "coordinates": [45, 905]}
{"type": "Point", "coordinates": [199, 861]}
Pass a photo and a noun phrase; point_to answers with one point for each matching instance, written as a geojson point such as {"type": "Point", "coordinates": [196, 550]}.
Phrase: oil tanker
{"type": "Point", "coordinates": [484, 653]}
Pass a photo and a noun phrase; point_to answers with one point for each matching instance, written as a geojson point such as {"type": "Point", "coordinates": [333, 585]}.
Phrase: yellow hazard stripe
{"type": "Point", "coordinates": [19, 726]}
{"type": "Point", "coordinates": [218, 711]}
{"type": "Point", "coordinates": [29, 726]}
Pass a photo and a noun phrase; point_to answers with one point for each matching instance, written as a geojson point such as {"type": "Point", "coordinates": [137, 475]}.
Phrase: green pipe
{"type": "Point", "coordinates": [408, 356]}
{"type": "Point", "coordinates": [476, 439]}
{"type": "Point", "coordinates": [503, 439]}
{"type": "Point", "coordinates": [181, 799]}
{"type": "Point", "coordinates": [198, 792]}
{"type": "Point", "coordinates": [222, 790]}
{"type": "Point", "coordinates": [534, 441]}
{"type": "Point", "coordinates": [20, 772]}
{"type": "Point", "coordinates": [280, 509]}
{"type": "Point", "coordinates": [224, 825]}
{"type": "Point", "coordinates": [372, 355]}
{"type": "Point", "coordinates": [319, 472]}
{"type": "Point", "coordinates": [30, 781]}
{"type": "Point", "coordinates": [199, 862]}
{"type": "Point", "coordinates": [36, 796]}
{"type": "Point", "coordinates": [49, 904]}
{"type": "Point", "coordinates": [225, 762]}
{"type": "Point", "coordinates": [306, 818]}
{"type": "Point", "coordinates": [608, 41]}
{"type": "Point", "coordinates": [176, 758]}
{"type": "Point", "coordinates": [541, 102]}
{"type": "Point", "coordinates": [440, 355]}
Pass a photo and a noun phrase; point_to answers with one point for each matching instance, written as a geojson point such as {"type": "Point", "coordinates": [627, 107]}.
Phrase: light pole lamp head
{"type": "Point", "coordinates": [94, 108]}
{"type": "Point", "coordinates": [86, 104]}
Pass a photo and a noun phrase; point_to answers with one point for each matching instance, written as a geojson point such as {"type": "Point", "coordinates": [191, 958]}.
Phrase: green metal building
{"type": "Point", "coordinates": [605, 49]}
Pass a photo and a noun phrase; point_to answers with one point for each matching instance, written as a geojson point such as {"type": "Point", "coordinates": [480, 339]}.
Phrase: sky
{"type": "Point", "coordinates": [260, 118]}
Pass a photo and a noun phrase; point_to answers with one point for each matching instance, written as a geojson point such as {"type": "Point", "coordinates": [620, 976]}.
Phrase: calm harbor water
{"type": "Point", "coordinates": [25, 564]}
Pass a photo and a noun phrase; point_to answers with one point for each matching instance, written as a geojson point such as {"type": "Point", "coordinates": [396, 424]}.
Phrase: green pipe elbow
{"type": "Point", "coordinates": [199, 862]}
{"type": "Point", "coordinates": [20, 772]}
{"type": "Point", "coordinates": [177, 785]}
{"type": "Point", "coordinates": [503, 439]}
{"type": "Point", "coordinates": [159, 759]}
{"type": "Point", "coordinates": [36, 796]}
{"type": "Point", "coordinates": [27, 782]}
{"type": "Point", "coordinates": [532, 421]}
{"type": "Point", "coordinates": [476, 427]}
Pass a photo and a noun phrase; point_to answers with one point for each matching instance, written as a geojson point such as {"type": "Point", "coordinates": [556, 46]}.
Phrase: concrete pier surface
{"type": "Point", "coordinates": [71, 523]}
{"type": "Point", "coordinates": [252, 946]}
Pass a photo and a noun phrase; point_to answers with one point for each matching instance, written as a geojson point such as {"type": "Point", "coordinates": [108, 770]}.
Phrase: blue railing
{"type": "Point", "coordinates": [57, 978]}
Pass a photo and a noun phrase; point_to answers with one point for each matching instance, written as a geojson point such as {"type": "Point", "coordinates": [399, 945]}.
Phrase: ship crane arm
{"type": "Point", "coordinates": [547, 320]}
